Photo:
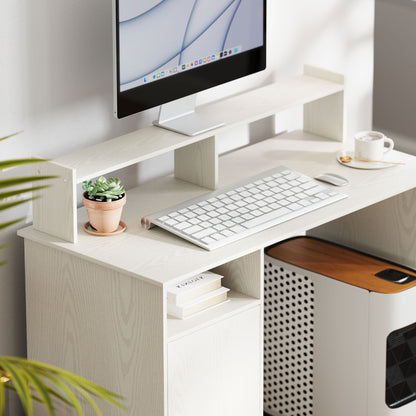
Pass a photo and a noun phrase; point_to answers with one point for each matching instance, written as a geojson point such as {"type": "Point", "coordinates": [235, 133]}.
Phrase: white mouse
{"type": "Point", "coordinates": [332, 178]}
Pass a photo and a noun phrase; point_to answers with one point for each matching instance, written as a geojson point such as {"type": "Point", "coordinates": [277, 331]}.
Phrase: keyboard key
{"type": "Point", "coordinates": [294, 207]}
{"type": "Point", "coordinates": [251, 206]}
{"type": "Point", "coordinates": [237, 229]}
{"type": "Point", "coordinates": [204, 233]}
{"type": "Point", "coordinates": [219, 227]}
{"type": "Point", "coordinates": [266, 217]}
{"type": "Point", "coordinates": [192, 230]}
{"type": "Point", "coordinates": [170, 221]}
{"type": "Point", "coordinates": [183, 225]}
{"type": "Point", "coordinates": [227, 233]}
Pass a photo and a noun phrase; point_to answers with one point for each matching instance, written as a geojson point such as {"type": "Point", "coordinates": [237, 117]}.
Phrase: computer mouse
{"type": "Point", "coordinates": [332, 178]}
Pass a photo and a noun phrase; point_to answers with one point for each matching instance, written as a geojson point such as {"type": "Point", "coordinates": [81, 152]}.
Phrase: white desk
{"type": "Point", "coordinates": [97, 305]}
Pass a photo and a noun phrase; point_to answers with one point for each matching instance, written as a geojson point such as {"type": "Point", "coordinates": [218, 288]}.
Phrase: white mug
{"type": "Point", "coordinates": [370, 145]}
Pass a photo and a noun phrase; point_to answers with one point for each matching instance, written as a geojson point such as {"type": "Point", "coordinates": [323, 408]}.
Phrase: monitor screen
{"type": "Point", "coordinates": [168, 49]}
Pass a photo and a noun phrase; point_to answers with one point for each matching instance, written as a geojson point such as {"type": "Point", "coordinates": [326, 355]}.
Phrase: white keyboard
{"type": "Point", "coordinates": [234, 212]}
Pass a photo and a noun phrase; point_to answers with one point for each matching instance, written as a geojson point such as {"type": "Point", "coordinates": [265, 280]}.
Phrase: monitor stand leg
{"type": "Point", "coordinates": [180, 116]}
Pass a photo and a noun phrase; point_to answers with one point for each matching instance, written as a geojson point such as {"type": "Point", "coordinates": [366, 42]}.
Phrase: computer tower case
{"type": "Point", "coordinates": [339, 332]}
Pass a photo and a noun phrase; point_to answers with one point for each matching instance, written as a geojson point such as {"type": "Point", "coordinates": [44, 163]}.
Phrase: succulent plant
{"type": "Point", "coordinates": [103, 189]}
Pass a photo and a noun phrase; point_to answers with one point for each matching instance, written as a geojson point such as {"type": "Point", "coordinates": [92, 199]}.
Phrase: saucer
{"type": "Point", "coordinates": [88, 228]}
{"type": "Point", "coordinates": [356, 164]}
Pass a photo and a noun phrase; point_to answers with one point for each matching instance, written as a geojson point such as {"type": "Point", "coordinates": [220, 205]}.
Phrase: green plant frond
{"type": "Point", "coordinates": [15, 192]}
{"type": "Point", "coordinates": [50, 391]}
{"type": "Point", "coordinates": [8, 137]}
{"type": "Point", "coordinates": [19, 384]}
{"type": "Point", "coordinates": [88, 398]}
{"type": "Point", "coordinates": [71, 399]}
{"type": "Point", "coordinates": [2, 397]}
{"type": "Point", "coordinates": [73, 379]}
{"type": "Point", "coordinates": [12, 163]}
{"type": "Point", "coordinates": [5, 183]}
{"type": "Point", "coordinates": [10, 223]}
{"type": "Point", "coordinates": [94, 389]}
{"type": "Point", "coordinates": [39, 386]}
{"type": "Point", "coordinates": [7, 205]}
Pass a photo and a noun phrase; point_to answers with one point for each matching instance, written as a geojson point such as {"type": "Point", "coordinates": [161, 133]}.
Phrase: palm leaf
{"type": "Point", "coordinates": [75, 379]}
{"type": "Point", "coordinates": [19, 383]}
{"type": "Point", "coordinates": [10, 223]}
{"type": "Point", "coordinates": [2, 397]}
{"type": "Point", "coordinates": [12, 163]}
{"type": "Point", "coordinates": [7, 205]}
{"type": "Point", "coordinates": [40, 387]}
{"type": "Point", "coordinates": [71, 399]}
{"type": "Point", "coordinates": [15, 192]}
{"type": "Point", "coordinates": [5, 183]}
{"type": "Point", "coordinates": [7, 137]}
{"type": "Point", "coordinates": [64, 381]}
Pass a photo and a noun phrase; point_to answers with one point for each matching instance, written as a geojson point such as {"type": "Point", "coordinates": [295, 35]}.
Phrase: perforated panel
{"type": "Point", "coordinates": [288, 341]}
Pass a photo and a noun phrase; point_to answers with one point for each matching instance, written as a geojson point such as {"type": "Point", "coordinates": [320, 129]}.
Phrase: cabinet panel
{"type": "Point", "coordinates": [218, 370]}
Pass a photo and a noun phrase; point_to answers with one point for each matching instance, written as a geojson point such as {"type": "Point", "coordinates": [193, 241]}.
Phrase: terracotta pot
{"type": "Point", "coordinates": [104, 216]}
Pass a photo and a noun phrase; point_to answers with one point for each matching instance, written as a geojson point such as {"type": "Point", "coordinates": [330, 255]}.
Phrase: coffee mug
{"type": "Point", "coordinates": [371, 145]}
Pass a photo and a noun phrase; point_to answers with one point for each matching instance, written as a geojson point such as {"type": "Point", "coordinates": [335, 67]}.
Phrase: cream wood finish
{"type": "Point", "coordinates": [228, 353]}
{"type": "Point", "coordinates": [57, 198]}
{"type": "Point", "coordinates": [98, 323]}
{"type": "Point", "coordinates": [386, 229]}
{"type": "Point", "coordinates": [198, 162]}
{"type": "Point", "coordinates": [179, 259]}
{"type": "Point", "coordinates": [97, 305]}
{"type": "Point", "coordinates": [196, 158]}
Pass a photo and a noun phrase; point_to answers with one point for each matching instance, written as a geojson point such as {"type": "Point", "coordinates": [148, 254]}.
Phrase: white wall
{"type": "Point", "coordinates": [394, 71]}
{"type": "Point", "coordinates": [64, 47]}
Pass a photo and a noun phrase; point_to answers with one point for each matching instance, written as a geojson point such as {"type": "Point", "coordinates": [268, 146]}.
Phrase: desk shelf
{"type": "Point", "coordinates": [196, 158]}
{"type": "Point", "coordinates": [84, 291]}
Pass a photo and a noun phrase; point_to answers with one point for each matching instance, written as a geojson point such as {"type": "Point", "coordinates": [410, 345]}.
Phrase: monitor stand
{"type": "Point", "coordinates": [180, 116]}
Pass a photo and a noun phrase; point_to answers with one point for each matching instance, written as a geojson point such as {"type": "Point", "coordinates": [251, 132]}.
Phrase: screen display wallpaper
{"type": "Point", "coordinates": [161, 38]}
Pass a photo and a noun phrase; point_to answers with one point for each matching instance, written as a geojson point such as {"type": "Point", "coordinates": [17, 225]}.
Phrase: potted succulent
{"type": "Point", "coordinates": [104, 200]}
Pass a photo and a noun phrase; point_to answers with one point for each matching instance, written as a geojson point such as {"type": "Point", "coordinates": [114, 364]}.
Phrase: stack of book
{"type": "Point", "coordinates": [196, 294]}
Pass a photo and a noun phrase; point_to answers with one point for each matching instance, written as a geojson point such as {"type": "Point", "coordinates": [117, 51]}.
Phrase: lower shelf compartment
{"type": "Point", "coordinates": [177, 328]}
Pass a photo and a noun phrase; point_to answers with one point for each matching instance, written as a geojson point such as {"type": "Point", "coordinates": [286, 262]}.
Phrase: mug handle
{"type": "Point", "coordinates": [390, 145]}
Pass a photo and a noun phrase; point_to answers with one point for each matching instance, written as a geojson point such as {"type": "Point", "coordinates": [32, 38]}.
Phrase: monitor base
{"type": "Point", "coordinates": [180, 116]}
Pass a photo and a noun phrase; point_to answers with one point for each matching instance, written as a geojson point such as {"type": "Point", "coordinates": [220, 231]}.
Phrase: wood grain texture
{"type": "Point", "coordinates": [244, 108]}
{"type": "Point", "coordinates": [196, 158]}
{"type": "Point", "coordinates": [178, 328]}
{"type": "Point", "coordinates": [198, 163]}
{"type": "Point", "coordinates": [99, 324]}
{"type": "Point", "coordinates": [55, 211]}
{"type": "Point", "coordinates": [218, 370]}
{"type": "Point", "coordinates": [178, 259]}
{"type": "Point", "coordinates": [325, 117]}
{"type": "Point", "coordinates": [245, 274]}
{"type": "Point", "coordinates": [338, 263]}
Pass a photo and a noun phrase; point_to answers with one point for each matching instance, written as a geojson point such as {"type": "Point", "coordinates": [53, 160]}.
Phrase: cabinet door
{"type": "Point", "coordinates": [218, 370]}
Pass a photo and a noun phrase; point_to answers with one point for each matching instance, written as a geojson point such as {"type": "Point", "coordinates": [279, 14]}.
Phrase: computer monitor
{"type": "Point", "coordinates": [168, 50]}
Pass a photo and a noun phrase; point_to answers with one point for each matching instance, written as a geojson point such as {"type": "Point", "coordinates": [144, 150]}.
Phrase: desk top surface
{"type": "Point", "coordinates": [160, 257]}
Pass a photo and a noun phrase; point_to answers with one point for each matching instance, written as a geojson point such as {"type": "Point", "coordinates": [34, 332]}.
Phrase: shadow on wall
{"type": "Point", "coordinates": [394, 101]}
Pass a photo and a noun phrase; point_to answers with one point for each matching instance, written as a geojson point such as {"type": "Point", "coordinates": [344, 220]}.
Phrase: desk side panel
{"type": "Point", "coordinates": [55, 211]}
{"type": "Point", "coordinates": [98, 323]}
{"type": "Point", "coordinates": [386, 229]}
